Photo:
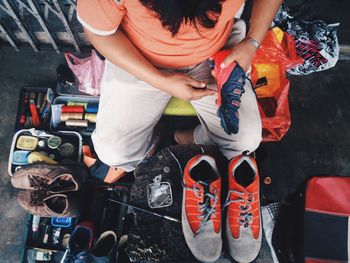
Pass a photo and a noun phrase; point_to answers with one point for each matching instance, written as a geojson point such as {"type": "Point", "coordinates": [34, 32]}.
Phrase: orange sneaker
{"type": "Point", "coordinates": [243, 220]}
{"type": "Point", "coordinates": [201, 208]}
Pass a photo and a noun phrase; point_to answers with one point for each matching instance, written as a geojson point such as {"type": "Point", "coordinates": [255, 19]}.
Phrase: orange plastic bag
{"type": "Point", "coordinates": [276, 54]}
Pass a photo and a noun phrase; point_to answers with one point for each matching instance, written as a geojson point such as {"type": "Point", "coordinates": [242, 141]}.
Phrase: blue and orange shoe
{"type": "Point", "coordinates": [230, 82]}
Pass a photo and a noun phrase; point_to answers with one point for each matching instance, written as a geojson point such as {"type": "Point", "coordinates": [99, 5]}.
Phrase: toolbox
{"type": "Point", "coordinates": [73, 110]}
{"type": "Point", "coordinates": [82, 116]}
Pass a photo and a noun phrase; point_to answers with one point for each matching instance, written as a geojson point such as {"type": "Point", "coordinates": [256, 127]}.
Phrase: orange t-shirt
{"type": "Point", "coordinates": [188, 47]}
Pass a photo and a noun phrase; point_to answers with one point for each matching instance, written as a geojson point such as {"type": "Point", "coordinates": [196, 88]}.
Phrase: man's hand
{"type": "Point", "coordinates": [242, 53]}
{"type": "Point", "coordinates": [184, 87]}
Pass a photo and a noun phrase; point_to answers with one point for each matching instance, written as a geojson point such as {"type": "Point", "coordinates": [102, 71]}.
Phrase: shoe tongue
{"type": "Point", "coordinates": [62, 183]}
{"type": "Point", "coordinates": [244, 175]}
{"type": "Point", "coordinates": [204, 172]}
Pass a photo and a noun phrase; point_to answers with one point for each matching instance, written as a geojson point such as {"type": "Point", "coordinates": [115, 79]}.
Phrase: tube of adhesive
{"type": "Point", "coordinates": [35, 223]}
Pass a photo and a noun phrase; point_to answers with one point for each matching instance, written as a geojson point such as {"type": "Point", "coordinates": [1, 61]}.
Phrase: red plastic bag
{"type": "Point", "coordinates": [276, 54]}
{"type": "Point", "coordinates": [88, 72]}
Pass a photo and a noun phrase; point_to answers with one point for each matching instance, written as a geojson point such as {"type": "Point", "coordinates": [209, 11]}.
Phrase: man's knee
{"type": "Point", "coordinates": [250, 141]}
{"type": "Point", "coordinates": [118, 150]}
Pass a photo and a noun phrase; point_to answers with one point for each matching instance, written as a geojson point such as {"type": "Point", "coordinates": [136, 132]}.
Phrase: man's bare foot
{"type": "Point", "coordinates": [184, 137]}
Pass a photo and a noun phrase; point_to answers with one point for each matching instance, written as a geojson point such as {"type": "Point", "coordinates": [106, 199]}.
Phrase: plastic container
{"type": "Point", "coordinates": [69, 137]}
{"type": "Point", "coordinates": [23, 111]}
{"type": "Point", "coordinates": [64, 100]}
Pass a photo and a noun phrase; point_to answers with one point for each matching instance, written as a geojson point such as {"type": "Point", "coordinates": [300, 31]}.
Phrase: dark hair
{"type": "Point", "coordinates": [173, 12]}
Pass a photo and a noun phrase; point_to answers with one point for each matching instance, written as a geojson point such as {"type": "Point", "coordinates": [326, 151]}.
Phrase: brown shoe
{"type": "Point", "coordinates": [51, 178]}
{"type": "Point", "coordinates": [49, 205]}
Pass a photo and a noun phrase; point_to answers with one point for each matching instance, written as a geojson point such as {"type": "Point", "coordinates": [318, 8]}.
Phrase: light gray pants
{"type": "Point", "coordinates": [130, 108]}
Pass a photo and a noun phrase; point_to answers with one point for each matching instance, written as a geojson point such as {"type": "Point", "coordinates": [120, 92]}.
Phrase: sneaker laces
{"type": "Point", "coordinates": [245, 199]}
{"type": "Point", "coordinates": [37, 198]}
{"type": "Point", "coordinates": [39, 182]}
{"type": "Point", "coordinates": [205, 208]}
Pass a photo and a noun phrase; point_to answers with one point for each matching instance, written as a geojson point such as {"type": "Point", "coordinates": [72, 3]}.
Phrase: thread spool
{"type": "Point", "coordinates": [92, 108]}
{"type": "Point", "coordinates": [91, 117]}
{"type": "Point", "coordinates": [71, 109]}
{"type": "Point", "coordinates": [71, 115]}
{"type": "Point", "coordinates": [77, 123]}
{"type": "Point", "coordinates": [76, 103]}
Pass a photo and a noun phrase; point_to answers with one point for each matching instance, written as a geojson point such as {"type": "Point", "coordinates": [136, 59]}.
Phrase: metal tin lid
{"type": "Point", "coordinates": [54, 142]}
{"type": "Point", "coordinates": [66, 149]}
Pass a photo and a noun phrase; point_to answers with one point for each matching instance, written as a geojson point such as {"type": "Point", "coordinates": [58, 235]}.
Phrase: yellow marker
{"type": "Point", "coordinates": [26, 142]}
{"type": "Point", "coordinates": [36, 157]}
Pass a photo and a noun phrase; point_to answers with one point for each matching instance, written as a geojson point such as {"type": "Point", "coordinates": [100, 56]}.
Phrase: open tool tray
{"type": "Point", "coordinates": [98, 210]}
{"type": "Point", "coordinates": [24, 113]}
{"type": "Point", "coordinates": [48, 241]}
{"type": "Point", "coordinates": [69, 139]}
{"type": "Point", "coordinates": [56, 124]}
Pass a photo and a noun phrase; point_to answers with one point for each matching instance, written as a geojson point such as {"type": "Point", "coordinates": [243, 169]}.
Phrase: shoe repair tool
{"type": "Point", "coordinates": [43, 105]}
{"type": "Point", "coordinates": [42, 255]}
{"type": "Point", "coordinates": [24, 110]}
{"type": "Point", "coordinates": [34, 110]}
{"type": "Point", "coordinates": [54, 142]}
{"type": "Point", "coordinates": [46, 234]}
{"type": "Point", "coordinates": [35, 223]}
{"type": "Point", "coordinates": [35, 228]}
{"type": "Point", "coordinates": [159, 193]}
{"type": "Point", "coordinates": [20, 157]}
{"type": "Point", "coordinates": [146, 211]}
{"type": "Point", "coordinates": [65, 240]}
{"type": "Point", "coordinates": [26, 142]}
{"type": "Point", "coordinates": [56, 231]}
{"type": "Point", "coordinates": [46, 113]}
{"type": "Point", "coordinates": [36, 157]}
{"type": "Point", "coordinates": [39, 100]}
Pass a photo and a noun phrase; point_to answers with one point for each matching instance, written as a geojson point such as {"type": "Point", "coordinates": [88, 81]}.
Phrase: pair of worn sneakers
{"type": "Point", "coordinates": [202, 216]}
{"type": "Point", "coordinates": [82, 248]}
{"type": "Point", "coordinates": [50, 190]}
